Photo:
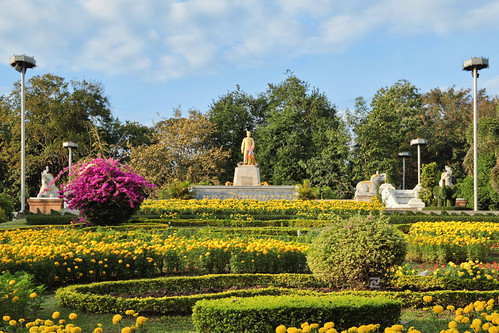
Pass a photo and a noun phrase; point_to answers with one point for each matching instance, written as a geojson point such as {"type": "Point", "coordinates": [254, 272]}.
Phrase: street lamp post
{"type": "Point", "coordinates": [21, 63]}
{"type": "Point", "coordinates": [70, 145]}
{"type": "Point", "coordinates": [474, 65]}
{"type": "Point", "coordinates": [403, 155]}
{"type": "Point", "coordinates": [419, 142]}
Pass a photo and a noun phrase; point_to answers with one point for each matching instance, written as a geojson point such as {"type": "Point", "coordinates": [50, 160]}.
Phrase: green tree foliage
{"type": "Point", "coordinates": [301, 138]}
{"type": "Point", "coordinates": [56, 111]}
{"type": "Point", "coordinates": [429, 179]}
{"type": "Point", "coordinates": [181, 149]}
{"type": "Point", "coordinates": [488, 161]}
{"type": "Point", "coordinates": [387, 128]}
{"type": "Point", "coordinates": [234, 114]}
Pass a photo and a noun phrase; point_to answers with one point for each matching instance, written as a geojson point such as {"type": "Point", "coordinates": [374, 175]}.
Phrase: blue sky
{"type": "Point", "coordinates": [154, 55]}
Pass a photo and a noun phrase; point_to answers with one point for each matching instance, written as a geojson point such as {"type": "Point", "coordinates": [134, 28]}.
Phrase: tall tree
{"type": "Point", "coordinates": [301, 137]}
{"type": "Point", "coordinates": [234, 114]}
{"type": "Point", "coordinates": [181, 149]}
{"type": "Point", "coordinates": [394, 119]}
{"type": "Point", "coordinates": [56, 111]}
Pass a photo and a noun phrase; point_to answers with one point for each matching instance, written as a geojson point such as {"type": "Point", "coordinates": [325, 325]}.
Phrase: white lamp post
{"type": "Point", "coordinates": [403, 155]}
{"type": "Point", "coordinates": [419, 142]}
{"type": "Point", "coordinates": [70, 145]}
{"type": "Point", "coordinates": [21, 63]}
{"type": "Point", "coordinates": [473, 65]}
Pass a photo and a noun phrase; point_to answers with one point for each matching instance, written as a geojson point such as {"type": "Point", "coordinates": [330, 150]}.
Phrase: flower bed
{"type": "Point", "coordinates": [58, 256]}
{"type": "Point", "coordinates": [451, 241]}
{"type": "Point", "coordinates": [209, 207]}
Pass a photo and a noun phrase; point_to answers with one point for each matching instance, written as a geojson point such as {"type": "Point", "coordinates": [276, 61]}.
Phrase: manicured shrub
{"type": "Point", "coordinates": [264, 313]}
{"type": "Point", "coordinates": [349, 252]}
{"type": "Point", "coordinates": [105, 191]}
{"type": "Point", "coordinates": [6, 208]}
{"type": "Point", "coordinates": [177, 190]}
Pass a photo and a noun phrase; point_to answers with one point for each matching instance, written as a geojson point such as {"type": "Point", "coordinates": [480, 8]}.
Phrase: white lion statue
{"type": "Point", "coordinates": [48, 189]}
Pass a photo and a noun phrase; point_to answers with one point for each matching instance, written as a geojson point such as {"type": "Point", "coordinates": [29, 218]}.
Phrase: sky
{"type": "Point", "coordinates": [152, 56]}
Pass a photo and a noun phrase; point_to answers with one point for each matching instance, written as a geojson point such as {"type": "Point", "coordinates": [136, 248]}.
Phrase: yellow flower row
{"type": "Point", "coordinates": [453, 233]}
{"type": "Point", "coordinates": [255, 206]}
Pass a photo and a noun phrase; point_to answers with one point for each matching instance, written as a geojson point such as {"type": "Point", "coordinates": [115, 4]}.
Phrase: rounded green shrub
{"type": "Point", "coordinates": [349, 252]}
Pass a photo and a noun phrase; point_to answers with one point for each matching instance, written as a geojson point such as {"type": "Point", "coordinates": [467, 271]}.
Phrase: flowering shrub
{"type": "Point", "coordinates": [105, 191]}
{"type": "Point", "coordinates": [349, 252]}
{"type": "Point", "coordinates": [18, 295]}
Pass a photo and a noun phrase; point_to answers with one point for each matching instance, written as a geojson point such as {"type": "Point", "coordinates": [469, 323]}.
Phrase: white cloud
{"type": "Point", "coordinates": [172, 38]}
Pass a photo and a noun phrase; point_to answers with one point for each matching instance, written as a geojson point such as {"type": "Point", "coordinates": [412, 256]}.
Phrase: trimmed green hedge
{"type": "Point", "coordinates": [95, 297]}
{"type": "Point", "coordinates": [411, 282]}
{"type": "Point", "coordinates": [50, 219]}
{"type": "Point", "coordinates": [409, 218]}
{"type": "Point", "coordinates": [265, 313]}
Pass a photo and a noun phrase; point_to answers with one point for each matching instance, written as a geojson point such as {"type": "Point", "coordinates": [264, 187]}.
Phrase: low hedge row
{"type": "Point", "coordinates": [265, 313]}
{"type": "Point", "coordinates": [409, 219]}
{"type": "Point", "coordinates": [95, 297]}
{"type": "Point", "coordinates": [50, 219]}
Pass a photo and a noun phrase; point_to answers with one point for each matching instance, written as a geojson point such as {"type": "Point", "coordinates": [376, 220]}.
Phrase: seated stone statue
{"type": "Point", "coordinates": [48, 189]}
{"type": "Point", "coordinates": [446, 177]}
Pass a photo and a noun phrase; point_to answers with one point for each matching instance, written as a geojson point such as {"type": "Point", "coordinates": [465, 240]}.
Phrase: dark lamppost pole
{"type": "Point", "coordinates": [21, 63]}
{"type": "Point", "coordinates": [403, 155]}
{"type": "Point", "coordinates": [473, 65]}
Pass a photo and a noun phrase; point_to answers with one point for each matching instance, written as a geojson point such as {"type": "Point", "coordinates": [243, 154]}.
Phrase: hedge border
{"type": "Point", "coordinates": [95, 297]}
{"type": "Point", "coordinates": [265, 313]}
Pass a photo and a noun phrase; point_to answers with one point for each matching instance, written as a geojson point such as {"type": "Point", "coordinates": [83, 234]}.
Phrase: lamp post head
{"type": "Point", "coordinates": [478, 63]}
{"type": "Point", "coordinates": [403, 154]}
{"type": "Point", "coordinates": [419, 141]}
{"type": "Point", "coordinates": [22, 61]}
{"type": "Point", "coordinates": [69, 144]}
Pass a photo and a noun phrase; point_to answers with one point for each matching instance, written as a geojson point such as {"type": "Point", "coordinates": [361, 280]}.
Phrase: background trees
{"type": "Point", "coordinates": [298, 131]}
{"type": "Point", "coordinates": [181, 149]}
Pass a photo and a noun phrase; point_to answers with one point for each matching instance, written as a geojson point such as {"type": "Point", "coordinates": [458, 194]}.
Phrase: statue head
{"type": "Point", "coordinates": [248, 133]}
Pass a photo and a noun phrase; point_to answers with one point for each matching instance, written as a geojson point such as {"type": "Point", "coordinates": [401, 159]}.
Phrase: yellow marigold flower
{"type": "Point", "coordinates": [73, 316]}
{"type": "Point", "coordinates": [12, 282]}
{"type": "Point", "coordinates": [292, 330]}
{"type": "Point", "coordinates": [427, 299]}
{"type": "Point", "coordinates": [278, 329]}
{"type": "Point", "coordinates": [451, 307]}
{"type": "Point", "coordinates": [438, 309]}
{"type": "Point", "coordinates": [129, 312]}
{"type": "Point", "coordinates": [48, 322]}
{"type": "Point", "coordinates": [56, 315]}
{"type": "Point", "coordinates": [141, 320]}
{"type": "Point", "coordinates": [116, 319]}
{"type": "Point", "coordinates": [329, 325]}
{"type": "Point", "coordinates": [76, 330]}
{"type": "Point", "coordinates": [15, 299]}
{"type": "Point", "coordinates": [493, 329]}
{"type": "Point", "coordinates": [98, 330]}
{"type": "Point", "coordinates": [126, 330]}
{"type": "Point", "coordinates": [62, 321]}
{"type": "Point", "coordinates": [33, 295]}
{"type": "Point", "coordinates": [12, 322]}
{"type": "Point", "coordinates": [6, 318]}
{"type": "Point", "coordinates": [314, 325]}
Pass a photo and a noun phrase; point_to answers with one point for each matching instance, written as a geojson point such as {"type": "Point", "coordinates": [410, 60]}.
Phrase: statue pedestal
{"type": "Point", "coordinates": [45, 205]}
{"type": "Point", "coordinates": [247, 175]}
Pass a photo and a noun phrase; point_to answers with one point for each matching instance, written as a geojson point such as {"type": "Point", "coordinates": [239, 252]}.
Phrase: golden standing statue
{"type": "Point", "coordinates": [247, 148]}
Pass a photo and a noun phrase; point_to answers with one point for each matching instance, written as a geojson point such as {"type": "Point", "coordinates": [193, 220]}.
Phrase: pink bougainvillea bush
{"type": "Point", "coordinates": [105, 191]}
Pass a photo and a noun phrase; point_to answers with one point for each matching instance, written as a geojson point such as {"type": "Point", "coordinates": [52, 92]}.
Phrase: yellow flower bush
{"type": "Point", "coordinates": [64, 255]}
{"type": "Point", "coordinates": [246, 207]}
{"type": "Point", "coordinates": [451, 241]}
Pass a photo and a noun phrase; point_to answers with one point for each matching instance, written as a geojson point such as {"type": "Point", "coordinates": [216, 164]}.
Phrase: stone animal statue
{"type": "Point", "coordinates": [446, 177]}
{"type": "Point", "coordinates": [48, 189]}
{"type": "Point", "coordinates": [369, 186]}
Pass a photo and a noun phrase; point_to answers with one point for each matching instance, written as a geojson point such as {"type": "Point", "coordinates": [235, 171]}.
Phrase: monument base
{"type": "Point", "coordinates": [247, 175]}
{"type": "Point", "coordinates": [45, 205]}
{"type": "Point", "coordinates": [262, 193]}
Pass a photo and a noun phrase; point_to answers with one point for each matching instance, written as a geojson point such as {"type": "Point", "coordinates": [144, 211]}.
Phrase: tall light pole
{"type": "Point", "coordinates": [474, 65]}
{"type": "Point", "coordinates": [70, 145]}
{"type": "Point", "coordinates": [21, 63]}
{"type": "Point", "coordinates": [403, 155]}
{"type": "Point", "coordinates": [419, 142]}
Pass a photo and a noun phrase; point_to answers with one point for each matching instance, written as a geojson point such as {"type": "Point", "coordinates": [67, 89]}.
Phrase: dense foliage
{"type": "Point", "coordinates": [349, 252]}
